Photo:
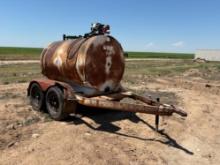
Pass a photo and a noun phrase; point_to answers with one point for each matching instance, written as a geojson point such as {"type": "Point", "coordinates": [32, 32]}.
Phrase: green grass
{"type": "Point", "coordinates": [134, 70]}
{"type": "Point", "coordinates": [14, 53]}
{"type": "Point", "coordinates": [160, 55]}
{"type": "Point", "coordinates": [155, 68]}
{"type": "Point", "coordinates": [18, 73]}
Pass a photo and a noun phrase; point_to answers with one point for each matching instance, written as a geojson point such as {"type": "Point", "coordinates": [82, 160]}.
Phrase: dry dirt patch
{"type": "Point", "coordinates": [97, 137]}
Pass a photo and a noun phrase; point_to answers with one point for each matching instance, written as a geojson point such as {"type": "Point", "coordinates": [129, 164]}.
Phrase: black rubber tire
{"type": "Point", "coordinates": [55, 103]}
{"type": "Point", "coordinates": [36, 97]}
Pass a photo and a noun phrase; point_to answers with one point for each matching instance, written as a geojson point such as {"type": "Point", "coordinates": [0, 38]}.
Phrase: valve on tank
{"type": "Point", "coordinates": [96, 29]}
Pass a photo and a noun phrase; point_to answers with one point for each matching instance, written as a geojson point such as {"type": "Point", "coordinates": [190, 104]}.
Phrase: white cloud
{"type": "Point", "coordinates": [150, 45]}
{"type": "Point", "coordinates": [178, 44]}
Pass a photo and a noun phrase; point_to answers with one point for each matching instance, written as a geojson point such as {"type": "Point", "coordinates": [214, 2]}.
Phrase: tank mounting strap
{"type": "Point", "coordinates": [77, 43]}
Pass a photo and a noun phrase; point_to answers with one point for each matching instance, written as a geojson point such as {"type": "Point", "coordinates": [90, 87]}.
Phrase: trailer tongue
{"type": "Point", "coordinates": [149, 106]}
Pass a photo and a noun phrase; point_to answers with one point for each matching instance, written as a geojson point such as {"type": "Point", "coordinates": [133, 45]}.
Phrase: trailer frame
{"type": "Point", "coordinates": [105, 101]}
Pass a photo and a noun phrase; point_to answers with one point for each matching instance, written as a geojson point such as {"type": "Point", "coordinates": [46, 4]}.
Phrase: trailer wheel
{"type": "Point", "coordinates": [55, 103]}
{"type": "Point", "coordinates": [36, 97]}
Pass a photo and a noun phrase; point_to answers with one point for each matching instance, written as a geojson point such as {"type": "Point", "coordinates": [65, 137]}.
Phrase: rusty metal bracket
{"type": "Point", "coordinates": [157, 118]}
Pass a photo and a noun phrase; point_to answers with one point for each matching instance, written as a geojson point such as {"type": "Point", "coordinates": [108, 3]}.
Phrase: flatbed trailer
{"type": "Point", "coordinates": [61, 99]}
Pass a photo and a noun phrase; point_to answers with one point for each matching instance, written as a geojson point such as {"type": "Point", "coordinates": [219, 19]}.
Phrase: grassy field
{"type": "Point", "coordinates": [142, 70]}
{"type": "Point", "coordinates": [134, 70]}
{"type": "Point", "coordinates": [13, 53]}
{"type": "Point", "coordinates": [18, 73]}
{"type": "Point", "coordinates": [160, 55]}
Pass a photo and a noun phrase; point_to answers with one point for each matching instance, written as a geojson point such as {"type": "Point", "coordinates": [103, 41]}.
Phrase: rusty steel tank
{"type": "Point", "coordinates": [92, 65]}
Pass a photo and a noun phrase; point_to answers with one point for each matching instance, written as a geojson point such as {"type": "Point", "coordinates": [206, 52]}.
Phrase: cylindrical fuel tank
{"type": "Point", "coordinates": [95, 63]}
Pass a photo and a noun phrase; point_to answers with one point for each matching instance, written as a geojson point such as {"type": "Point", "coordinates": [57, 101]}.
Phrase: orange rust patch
{"type": "Point", "coordinates": [96, 62]}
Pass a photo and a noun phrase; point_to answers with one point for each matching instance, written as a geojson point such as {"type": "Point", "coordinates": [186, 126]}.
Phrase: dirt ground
{"type": "Point", "coordinates": [107, 137]}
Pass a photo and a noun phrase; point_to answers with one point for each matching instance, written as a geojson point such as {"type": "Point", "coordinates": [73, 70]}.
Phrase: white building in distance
{"type": "Point", "coordinates": [208, 54]}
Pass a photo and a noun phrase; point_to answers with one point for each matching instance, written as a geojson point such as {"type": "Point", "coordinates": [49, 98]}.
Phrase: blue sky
{"type": "Point", "coordinates": [140, 25]}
